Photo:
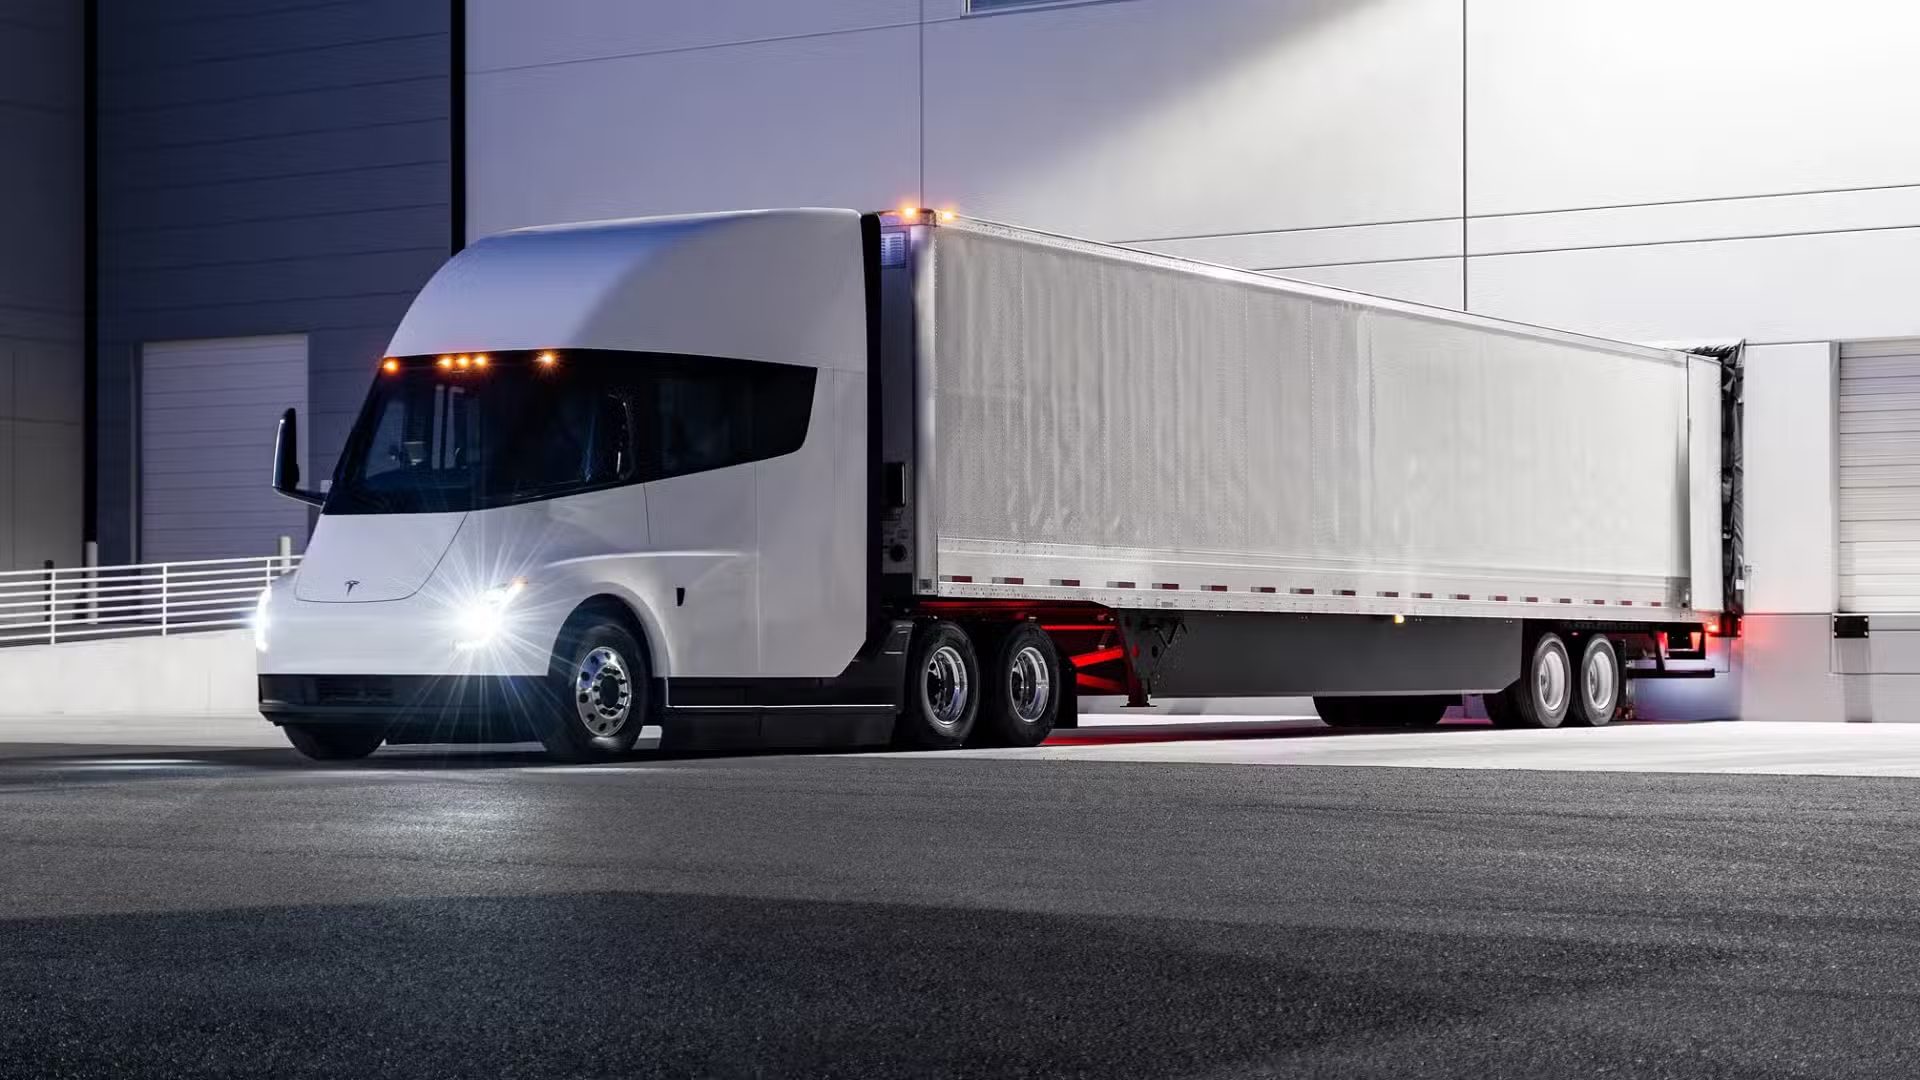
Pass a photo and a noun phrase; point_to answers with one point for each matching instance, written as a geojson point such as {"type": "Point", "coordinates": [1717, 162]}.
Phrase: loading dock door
{"type": "Point", "coordinates": [207, 415]}
{"type": "Point", "coordinates": [1879, 464]}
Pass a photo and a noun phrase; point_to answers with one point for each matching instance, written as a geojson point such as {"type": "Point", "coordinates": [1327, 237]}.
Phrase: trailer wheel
{"type": "Point", "coordinates": [943, 689]}
{"type": "Point", "coordinates": [1023, 698]}
{"type": "Point", "coordinates": [1544, 693]}
{"type": "Point", "coordinates": [330, 742]}
{"type": "Point", "coordinates": [1600, 681]}
{"type": "Point", "coordinates": [602, 691]}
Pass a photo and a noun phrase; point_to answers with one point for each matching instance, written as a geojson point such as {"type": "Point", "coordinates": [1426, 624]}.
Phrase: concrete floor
{"type": "Point", "coordinates": [1137, 899]}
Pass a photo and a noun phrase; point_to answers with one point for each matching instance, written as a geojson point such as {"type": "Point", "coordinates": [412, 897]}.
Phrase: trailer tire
{"type": "Point", "coordinates": [1424, 711]}
{"type": "Point", "coordinates": [1023, 698]}
{"type": "Point", "coordinates": [602, 690]}
{"type": "Point", "coordinates": [1599, 680]}
{"type": "Point", "coordinates": [942, 698]}
{"type": "Point", "coordinates": [1543, 695]}
{"type": "Point", "coordinates": [332, 742]}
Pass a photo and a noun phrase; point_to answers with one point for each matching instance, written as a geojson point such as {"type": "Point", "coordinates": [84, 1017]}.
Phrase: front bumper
{"type": "Point", "coordinates": [414, 708]}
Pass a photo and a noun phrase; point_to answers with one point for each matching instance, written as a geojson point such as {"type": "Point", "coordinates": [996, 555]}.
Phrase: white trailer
{"type": "Point", "coordinates": [811, 476]}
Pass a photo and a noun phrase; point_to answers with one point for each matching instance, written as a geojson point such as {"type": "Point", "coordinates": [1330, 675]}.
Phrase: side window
{"type": "Point", "coordinates": [612, 440]}
{"type": "Point", "coordinates": [699, 415]}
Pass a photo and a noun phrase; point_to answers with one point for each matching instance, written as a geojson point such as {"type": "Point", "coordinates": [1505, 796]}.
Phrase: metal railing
{"type": "Point", "coordinates": [49, 606]}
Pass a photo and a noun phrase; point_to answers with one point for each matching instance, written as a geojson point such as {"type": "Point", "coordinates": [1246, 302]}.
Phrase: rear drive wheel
{"type": "Point", "coordinates": [943, 689]}
{"type": "Point", "coordinates": [333, 742]}
{"type": "Point", "coordinates": [1343, 712]}
{"type": "Point", "coordinates": [602, 689]}
{"type": "Point", "coordinates": [1600, 682]}
{"type": "Point", "coordinates": [1023, 699]}
{"type": "Point", "coordinates": [1544, 693]}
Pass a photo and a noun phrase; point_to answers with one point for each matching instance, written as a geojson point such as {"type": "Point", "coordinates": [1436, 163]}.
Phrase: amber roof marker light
{"type": "Point", "coordinates": [390, 365]}
{"type": "Point", "coordinates": [546, 359]}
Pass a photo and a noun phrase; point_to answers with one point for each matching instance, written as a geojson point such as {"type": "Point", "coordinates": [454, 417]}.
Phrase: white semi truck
{"type": "Point", "coordinates": [803, 477]}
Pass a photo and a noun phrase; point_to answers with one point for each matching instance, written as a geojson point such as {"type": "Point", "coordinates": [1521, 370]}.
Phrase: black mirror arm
{"type": "Point", "coordinates": [286, 462]}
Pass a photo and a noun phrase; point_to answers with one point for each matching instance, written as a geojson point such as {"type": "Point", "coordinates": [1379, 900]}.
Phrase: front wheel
{"type": "Point", "coordinates": [601, 685]}
{"type": "Point", "coordinates": [332, 742]}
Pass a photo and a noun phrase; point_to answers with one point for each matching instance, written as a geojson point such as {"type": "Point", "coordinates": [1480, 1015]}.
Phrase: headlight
{"type": "Point", "coordinates": [260, 619]}
{"type": "Point", "coordinates": [485, 619]}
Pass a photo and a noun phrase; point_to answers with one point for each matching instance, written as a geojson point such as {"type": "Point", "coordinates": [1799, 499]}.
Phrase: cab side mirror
{"type": "Point", "coordinates": [286, 461]}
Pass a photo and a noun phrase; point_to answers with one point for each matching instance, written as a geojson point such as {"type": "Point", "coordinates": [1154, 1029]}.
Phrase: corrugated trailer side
{"type": "Point", "coordinates": [1143, 432]}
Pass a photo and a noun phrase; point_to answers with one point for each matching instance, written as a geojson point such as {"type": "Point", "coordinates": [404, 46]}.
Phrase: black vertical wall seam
{"type": "Point", "coordinates": [457, 120]}
{"type": "Point", "coordinates": [90, 270]}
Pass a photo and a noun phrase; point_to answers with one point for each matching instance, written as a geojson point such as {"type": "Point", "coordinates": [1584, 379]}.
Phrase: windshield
{"type": "Point", "coordinates": [446, 434]}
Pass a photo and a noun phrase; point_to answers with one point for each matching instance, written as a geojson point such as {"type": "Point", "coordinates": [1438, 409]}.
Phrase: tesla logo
{"type": "Point", "coordinates": [350, 584]}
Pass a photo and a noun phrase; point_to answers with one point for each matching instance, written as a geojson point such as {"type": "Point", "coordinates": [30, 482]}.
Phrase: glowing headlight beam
{"type": "Point", "coordinates": [483, 620]}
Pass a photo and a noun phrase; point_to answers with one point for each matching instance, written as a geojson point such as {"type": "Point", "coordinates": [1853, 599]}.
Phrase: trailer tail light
{"type": "Point", "coordinates": [1713, 627]}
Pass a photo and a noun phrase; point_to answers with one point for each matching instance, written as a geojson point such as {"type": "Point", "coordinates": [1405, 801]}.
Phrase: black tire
{"type": "Point", "coordinates": [602, 689]}
{"type": "Point", "coordinates": [1344, 712]}
{"type": "Point", "coordinates": [942, 698]}
{"type": "Point", "coordinates": [1597, 684]}
{"type": "Point", "coordinates": [1424, 711]}
{"type": "Point", "coordinates": [1544, 692]}
{"type": "Point", "coordinates": [334, 742]}
{"type": "Point", "coordinates": [1023, 697]}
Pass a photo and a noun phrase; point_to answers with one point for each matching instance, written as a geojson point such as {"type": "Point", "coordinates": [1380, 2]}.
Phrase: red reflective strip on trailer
{"type": "Point", "coordinates": [959, 579]}
{"type": "Point", "coordinates": [1626, 603]}
{"type": "Point", "coordinates": [1098, 657]}
{"type": "Point", "coordinates": [1343, 592]}
{"type": "Point", "coordinates": [1498, 599]}
{"type": "Point", "coordinates": [1423, 596]}
{"type": "Point", "coordinates": [1390, 595]}
{"type": "Point", "coordinates": [1067, 582]}
{"type": "Point", "coordinates": [1265, 589]}
{"type": "Point", "coordinates": [1655, 603]}
{"type": "Point", "coordinates": [1009, 581]}
{"type": "Point", "coordinates": [1164, 585]}
{"type": "Point", "coordinates": [1599, 602]}
{"type": "Point", "coordinates": [1121, 585]}
{"type": "Point", "coordinates": [1461, 596]}
{"type": "Point", "coordinates": [1532, 599]}
{"type": "Point", "coordinates": [1566, 600]}
{"type": "Point", "coordinates": [1301, 592]}
{"type": "Point", "coordinates": [1074, 628]}
{"type": "Point", "coordinates": [1216, 588]}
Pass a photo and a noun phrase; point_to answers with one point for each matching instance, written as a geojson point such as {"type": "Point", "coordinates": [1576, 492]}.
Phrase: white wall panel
{"type": "Point", "coordinates": [1423, 281]}
{"type": "Point", "coordinates": [1789, 479]}
{"type": "Point", "coordinates": [1319, 247]}
{"type": "Point", "coordinates": [1832, 211]}
{"type": "Point", "coordinates": [1603, 102]}
{"type": "Point", "coordinates": [1170, 118]}
{"type": "Point", "coordinates": [1801, 288]}
{"type": "Point", "coordinates": [826, 121]}
{"type": "Point", "coordinates": [517, 33]}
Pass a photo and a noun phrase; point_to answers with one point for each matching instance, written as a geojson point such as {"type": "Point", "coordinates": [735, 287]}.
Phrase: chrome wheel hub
{"type": "Point", "coordinates": [603, 692]}
{"type": "Point", "coordinates": [1029, 686]}
{"type": "Point", "coordinates": [1550, 681]}
{"type": "Point", "coordinates": [1600, 682]}
{"type": "Point", "coordinates": [944, 688]}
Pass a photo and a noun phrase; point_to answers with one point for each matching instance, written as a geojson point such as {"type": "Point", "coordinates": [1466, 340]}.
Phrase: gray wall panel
{"type": "Point", "coordinates": [266, 167]}
{"type": "Point", "coordinates": [41, 285]}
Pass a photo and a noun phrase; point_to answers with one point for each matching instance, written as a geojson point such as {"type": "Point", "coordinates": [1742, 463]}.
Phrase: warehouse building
{"type": "Point", "coordinates": [220, 208]}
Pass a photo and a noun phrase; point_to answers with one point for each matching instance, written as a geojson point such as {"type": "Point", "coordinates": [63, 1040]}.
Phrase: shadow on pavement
{"type": "Point", "coordinates": [643, 984]}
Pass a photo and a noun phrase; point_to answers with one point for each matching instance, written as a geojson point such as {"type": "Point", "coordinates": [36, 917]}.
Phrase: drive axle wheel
{"type": "Point", "coordinates": [1023, 700]}
{"type": "Point", "coordinates": [1544, 693]}
{"type": "Point", "coordinates": [943, 689]}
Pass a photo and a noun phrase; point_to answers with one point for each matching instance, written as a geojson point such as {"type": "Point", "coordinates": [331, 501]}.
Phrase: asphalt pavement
{"type": "Point", "coordinates": [205, 911]}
